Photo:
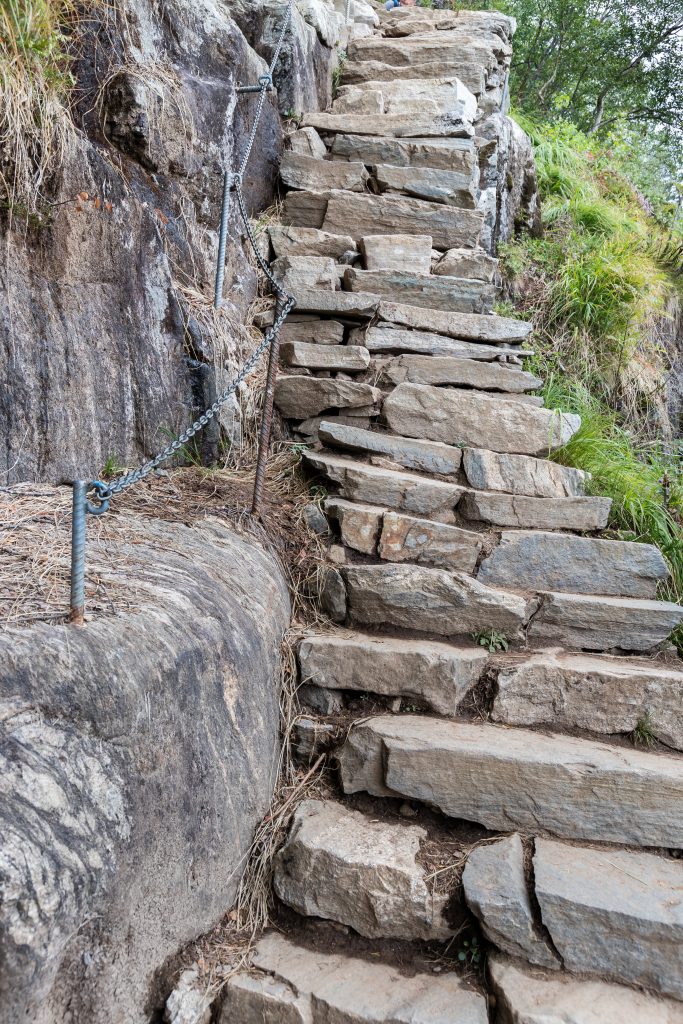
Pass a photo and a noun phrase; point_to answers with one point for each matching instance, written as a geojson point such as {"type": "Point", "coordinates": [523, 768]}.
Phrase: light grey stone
{"type": "Point", "coordinates": [387, 338]}
{"type": "Point", "coordinates": [430, 124]}
{"type": "Point", "coordinates": [426, 670]}
{"type": "Point", "coordinates": [294, 272]}
{"type": "Point", "coordinates": [432, 600]}
{"type": "Point", "coordinates": [350, 358]}
{"type": "Point", "coordinates": [471, 73]}
{"type": "Point", "coordinates": [386, 487]}
{"type": "Point", "coordinates": [309, 174]}
{"type": "Point", "coordinates": [452, 46]}
{"type": "Point", "coordinates": [528, 513]}
{"type": "Point", "coordinates": [496, 892]}
{"type": "Point", "coordinates": [333, 594]}
{"type": "Point", "coordinates": [352, 213]}
{"type": "Point", "coordinates": [406, 539]}
{"type": "Point", "coordinates": [305, 209]}
{"type": "Point", "coordinates": [458, 156]}
{"type": "Point", "coordinates": [430, 183]}
{"type": "Point", "coordinates": [428, 456]}
{"type": "Point", "coordinates": [301, 397]}
{"type": "Point", "coordinates": [531, 559]}
{"type": "Point", "coordinates": [291, 241]}
{"type": "Point", "coordinates": [342, 304]}
{"type": "Point", "coordinates": [307, 142]}
{"type": "Point", "coordinates": [189, 1002]}
{"type": "Point", "coordinates": [358, 101]}
{"type": "Point", "coordinates": [616, 913]}
{"type": "Point", "coordinates": [598, 623]}
{"type": "Point", "coordinates": [359, 525]}
{"type": "Point", "coordinates": [315, 520]}
{"type": "Point", "coordinates": [262, 999]}
{"type": "Point", "coordinates": [430, 369]}
{"type": "Point", "coordinates": [521, 474]}
{"type": "Point", "coordinates": [447, 293]}
{"type": "Point", "coordinates": [473, 263]}
{"type": "Point", "coordinates": [312, 330]}
{"type": "Point", "coordinates": [339, 865]}
{"type": "Point", "coordinates": [603, 695]}
{"type": "Point", "coordinates": [397, 252]}
{"type": "Point", "coordinates": [467, 326]}
{"type": "Point", "coordinates": [526, 997]}
{"type": "Point", "coordinates": [476, 419]}
{"type": "Point", "coordinates": [446, 95]}
{"type": "Point", "coordinates": [520, 779]}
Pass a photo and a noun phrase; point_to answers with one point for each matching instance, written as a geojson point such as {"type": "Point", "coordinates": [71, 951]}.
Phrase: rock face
{"type": "Point", "coordinates": [614, 913]}
{"type": "Point", "coordinates": [339, 865]}
{"type": "Point", "coordinates": [100, 750]}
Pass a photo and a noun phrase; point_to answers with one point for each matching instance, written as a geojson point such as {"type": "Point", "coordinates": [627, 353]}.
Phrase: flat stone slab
{"type": "Point", "coordinates": [446, 46]}
{"type": "Point", "coordinates": [359, 525]}
{"type": "Point", "coordinates": [355, 305]}
{"type": "Point", "coordinates": [350, 358]}
{"type": "Point", "coordinates": [294, 272]}
{"type": "Point", "coordinates": [496, 892]}
{"type": "Point", "coordinates": [351, 213]}
{"type": "Point", "coordinates": [397, 252]}
{"type": "Point", "coordinates": [308, 173]}
{"type": "Point", "coordinates": [603, 695]}
{"type": "Point", "coordinates": [431, 124]}
{"type": "Point", "coordinates": [522, 474]}
{"type": "Point", "coordinates": [471, 373]}
{"type": "Point", "coordinates": [348, 990]}
{"type": "Point", "coordinates": [476, 419]}
{"type": "Point", "coordinates": [406, 539]}
{"type": "Point", "coordinates": [457, 156]}
{"type": "Point", "coordinates": [445, 95]}
{"type": "Point", "coordinates": [312, 331]}
{"type": "Point", "coordinates": [473, 263]}
{"type": "Point", "coordinates": [429, 183]}
{"type": "Point", "coordinates": [394, 339]}
{"type": "Point", "coordinates": [466, 326]}
{"type": "Point", "coordinates": [614, 912]}
{"type": "Point", "coordinates": [300, 397]}
{"type": "Point", "coordinates": [447, 293]}
{"type": "Point", "coordinates": [499, 509]}
{"type": "Point", "coordinates": [439, 675]}
{"type": "Point", "coordinates": [428, 456]}
{"type": "Point", "coordinates": [431, 600]}
{"type": "Point", "coordinates": [386, 487]}
{"type": "Point", "coordinates": [519, 779]}
{"type": "Point", "coordinates": [339, 865]}
{"type": "Point", "coordinates": [528, 997]}
{"type": "Point", "coordinates": [580, 565]}
{"type": "Point", "coordinates": [599, 623]}
{"type": "Point", "coordinates": [472, 73]}
{"type": "Point", "coordinates": [292, 241]}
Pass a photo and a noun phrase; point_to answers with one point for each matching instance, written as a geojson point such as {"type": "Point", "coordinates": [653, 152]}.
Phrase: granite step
{"type": "Point", "coordinates": [581, 514]}
{"type": "Point", "coordinates": [452, 294]}
{"type": "Point", "coordinates": [521, 474]}
{"type": "Point", "coordinates": [425, 456]}
{"type": "Point", "coordinates": [459, 372]}
{"type": "Point", "coordinates": [457, 156]}
{"type": "Point", "coordinates": [427, 345]}
{"type": "Point", "coordinates": [444, 95]}
{"type": "Point", "coordinates": [306, 173]}
{"type": "Point", "coordinates": [416, 125]}
{"type": "Point", "coordinates": [299, 397]}
{"type": "Point", "coordinates": [312, 356]}
{"type": "Point", "coordinates": [597, 623]}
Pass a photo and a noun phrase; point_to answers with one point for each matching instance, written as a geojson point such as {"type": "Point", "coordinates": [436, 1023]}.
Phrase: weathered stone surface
{"type": "Point", "coordinates": [340, 865]}
{"type": "Point", "coordinates": [581, 565]}
{"type": "Point", "coordinates": [423, 670]}
{"type": "Point", "coordinates": [604, 695]}
{"type": "Point", "coordinates": [476, 419]}
{"type": "Point", "coordinates": [307, 173]}
{"type": "Point", "coordinates": [431, 184]}
{"type": "Point", "coordinates": [294, 272]}
{"type": "Point", "coordinates": [262, 999]}
{"type": "Point", "coordinates": [350, 213]}
{"type": "Point", "coordinates": [307, 142]}
{"type": "Point", "coordinates": [445, 95]}
{"type": "Point", "coordinates": [291, 241]}
{"type": "Point", "coordinates": [386, 487]}
{"type": "Point", "coordinates": [431, 600]}
{"type": "Point", "coordinates": [537, 514]}
{"type": "Point", "coordinates": [472, 263]}
{"type": "Point", "coordinates": [469, 326]}
{"type": "Point", "coordinates": [520, 474]}
{"type": "Point", "coordinates": [99, 752]}
{"type": "Point", "coordinates": [496, 891]}
{"type": "Point", "coordinates": [447, 46]}
{"type": "Point", "coordinates": [359, 101]}
{"type": "Point", "coordinates": [344, 304]}
{"type": "Point", "coordinates": [429, 124]}
{"type": "Point", "coordinates": [333, 594]}
{"type": "Point", "coordinates": [349, 358]}
{"type": "Point", "coordinates": [600, 623]}
{"type": "Point", "coordinates": [421, 369]}
{"type": "Point", "coordinates": [312, 331]}
{"type": "Point", "coordinates": [614, 913]}
{"type": "Point", "coordinates": [428, 456]}
{"type": "Point", "coordinates": [189, 1002]}
{"type": "Point", "coordinates": [405, 539]}
{"type": "Point", "coordinates": [301, 397]}
{"type": "Point", "coordinates": [471, 73]}
{"type": "Point", "coordinates": [519, 779]}
{"type": "Point", "coordinates": [448, 293]}
{"type": "Point", "coordinates": [359, 525]}
{"type": "Point", "coordinates": [305, 209]}
{"type": "Point", "coordinates": [335, 989]}
{"type": "Point", "coordinates": [397, 252]}
{"type": "Point", "coordinates": [525, 997]}
{"type": "Point", "coordinates": [457, 156]}
{"type": "Point", "coordinates": [393, 339]}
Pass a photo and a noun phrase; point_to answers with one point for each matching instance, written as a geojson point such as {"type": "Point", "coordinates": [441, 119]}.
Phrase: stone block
{"type": "Point", "coordinates": [301, 397]}
{"type": "Point", "coordinates": [406, 539]}
{"type": "Point", "coordinates": [428, 456]}
{"type": "Point", "coordinates": [397, 252]}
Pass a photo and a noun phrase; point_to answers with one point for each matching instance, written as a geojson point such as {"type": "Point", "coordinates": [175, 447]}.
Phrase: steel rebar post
{"type": "Point", "coordinates": [222, 242]}
{"type": "Point", "coordinates": [77, 608]}
{"type": "Point", "coordinates": [266, 420]}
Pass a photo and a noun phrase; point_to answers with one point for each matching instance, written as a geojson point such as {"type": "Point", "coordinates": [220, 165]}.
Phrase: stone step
{"type": "Point", "coordinates": [445, 95]}
{"type": "Point", "coordinates": [581, 514]}
{"type": "Point", "coordinates": [295, 985]}
{"type": "Point", "coordinates": [522, 474]}
{"type": "Point", "coordinates": [520, 779]}
{"type": "Point", "coordinates": [307, 142]}
{"type": "Point", "coordinates": [598, 694]}
{"type": "Point", "coordinates": [427, 456]}
{"type": "Point", "coordinates": [300, 397]}
{"type": "Point", "coordinates": [455, 294]}
{"type": "Point", "coordinates": [349, 358]}
{"type": "Point", "coordinates": [528, 997]}
{"type": "Point", "coordinates": [472, 263]}
{"type": "Point", "coordinates": [449, 46]}
{"type": "Point", "coordinates": [476, 419]}
{"type": "Point", "coordinates": [533, 560]}
{"type": "Point", "coordinates": [312, 331]}
{"type": "Point", "coordinates": [291, 241]}
{"type": "Point", "coordinates": [471, 73]}
{"type": "Point", "coordinates": [386, 487]}
{"type": "Point", "coordinates": [294, 272]}
{"type": "Point", "coordinates": [429, 369]}
{"type": "Point", "coordinates": [397, 252]}
{"type": "Point", "coordinates": [351, 305]}
{"type": "Point", "coordinates": [395, 339]}
{"type": "Point", "coordinates": [465, 326]}
{"type": "Point", "coordinates": [428, 183]}
{"type": "Point", "coordinates": [429, 124]}
{"type": "Point", "coordinates": [359, 524]}
{"type": "Point", "coordinates": [433, 673]}
{"type": "Point", "coordinates": [339, 865]}
{"type": "Point", "coordinates": [310, 174]}
{"type": "Point", "coordinates": [601, 623]}
{"type": "Point", "coordinates": [457, 156]}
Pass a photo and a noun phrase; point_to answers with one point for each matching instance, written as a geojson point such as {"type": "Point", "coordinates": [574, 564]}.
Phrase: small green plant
{"type": "Point", "coordinates": [469, 953]}
{"type": "Point", "coordinates": [492, 640]}
{"type": "Point", "coordinates": [189, 452]}
{"type": "Point", "coordinates": [318, 491]}
{"type": "Point", "coordinates": [643, 735]}
{"type": "Point", "coordinates": [112, 467]}
{"type": "Point", "coordinates": [338, 72]}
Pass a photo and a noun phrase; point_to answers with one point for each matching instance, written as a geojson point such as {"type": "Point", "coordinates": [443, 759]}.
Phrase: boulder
{"type": "Point", "coordinates": [349, 358]}
{"type": "Point", "coordinates": [447, 293]}
{"type": "Point", "coordinates": [308, 173]}
{"type": "Point", "coordinates": [406, 539]}
{"type": "Point", "coordinates": [534, 560]}
{"type": "Point", "coordinates": [519, 779]}
{"type": "Point", "coordinates": [519, 474]}
{"type": "Point", "coordinates": [431, 600]}
{"type": "Point", "coordinates": [301, 397]}
{"type": "Point", "coordinates": [457, 156]}
{"type": "Point", "coordinates": [435, 673]}
{"type": "Point", "coordinates": [351, 213]}
{"type": "Point", "coordinates": [581, 514]}
{"type": "Point", "coordinates": [472, 263]}
{"type": "Point", "coordinates": [476, 419]}
{"type": "Point", "coordinates": [496, 892]}
{"type": "Point", "coordinates": [603, 695]}
{"type": "Point", "coordinates": [291, 241]}
{"type": "Point", "coordinates": [397, 252]}
{"type": "Point", "coordinates": [339, 865]}
{"type": "Point", "coordinates": [428, 456]}
{"type": "Point", "coordinates": [467, 326]}
{"type": "Point", "coordinates": [430, 183]}
{"type": "Point", "coordinates": [359, 525]}
{"type": "Point", "coordinates": [616, 913]}
{"type": "Point", "coordinates": [600, 623]}
{"type": "Point", "coordinates": [430, 369]}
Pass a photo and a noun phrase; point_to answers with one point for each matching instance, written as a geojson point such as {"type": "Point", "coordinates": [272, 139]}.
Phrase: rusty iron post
{"type": "Point", "coordinates": [77, 609]}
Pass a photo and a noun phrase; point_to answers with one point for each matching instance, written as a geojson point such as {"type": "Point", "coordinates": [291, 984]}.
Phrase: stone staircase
{"type": "Point", "coordinates": [557, 837]}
